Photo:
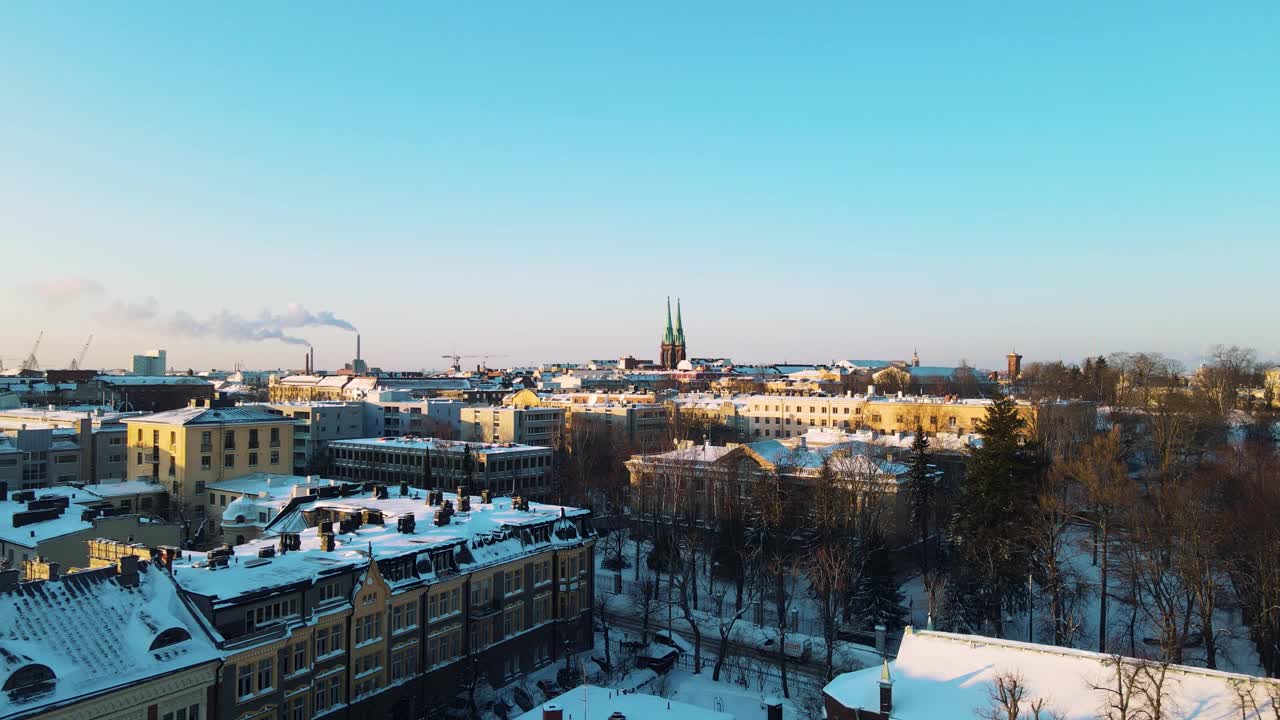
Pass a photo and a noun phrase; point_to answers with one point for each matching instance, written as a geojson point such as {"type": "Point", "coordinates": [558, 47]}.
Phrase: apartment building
{"type": "Point", "coordinates": [111, 642]}
{"type": "Point", "coordinates": [386, 603]}
{"type": "Point", "coordinates": [207, 442]}
{"type": "Point", "coordinates": [773, 416]}
{"type": "Point", "coordinates": [99, 431]}
{"type": "Point", "coordinates": [509, 424]}
{"type": "Point", "coordinates": [500, 468]}
{"type": "Point", "coordinates": [642, 426]}
{"type": "Point", "coordinates": [35, 455]}
{"type": "Point", "coordinates": [318, 423]}
{"type": "Point", "coordinates": [392, 413]}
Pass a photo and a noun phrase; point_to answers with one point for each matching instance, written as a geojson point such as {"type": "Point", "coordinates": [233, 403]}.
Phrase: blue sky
{"type": "Point", "coordinates": [816, 181]}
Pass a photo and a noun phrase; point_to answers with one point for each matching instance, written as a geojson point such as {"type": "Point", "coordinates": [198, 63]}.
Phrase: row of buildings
{"type": "Point", "coordinates": [361, 601]}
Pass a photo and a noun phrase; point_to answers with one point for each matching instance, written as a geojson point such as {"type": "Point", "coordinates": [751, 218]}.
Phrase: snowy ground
{"type": "Point", "coordinates": [1236, 652]}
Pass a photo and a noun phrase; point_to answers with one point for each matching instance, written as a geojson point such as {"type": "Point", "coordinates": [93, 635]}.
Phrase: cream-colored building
{"type": "Point", "coordinates": [113, 642]}
{"type": "Point", "coordinates": [640, 426]}
{"type": "Point", "coordinates": [771, 416]}
{"type": "Point", "coordinates": [189, 448]}
{"type": "Point", "coordinates": [534, 425]}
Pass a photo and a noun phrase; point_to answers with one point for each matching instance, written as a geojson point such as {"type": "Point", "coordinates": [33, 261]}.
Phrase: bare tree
{"type": "Point", "coordinates": [1005, 696]}
{"type": "Point", "coordinates": [1229, 368]}
{"type": "Point", "coordinates": [646, 604]}
{"type": "Point", "coordinates": [829, 569]}
{"type": "Point", "coordinates": [1099, 468]}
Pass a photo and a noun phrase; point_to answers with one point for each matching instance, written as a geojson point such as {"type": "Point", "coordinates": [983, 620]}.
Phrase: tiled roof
{"type": "Point", "coordinates": [95, 634]}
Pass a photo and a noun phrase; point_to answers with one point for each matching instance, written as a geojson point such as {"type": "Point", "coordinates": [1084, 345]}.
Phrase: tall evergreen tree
{"type": "Point", "coordinates": [921, 494]}
{"type": "Point", "coordinates": [877, 596]}
{"type": "Point", "coordinates": [995, 504]}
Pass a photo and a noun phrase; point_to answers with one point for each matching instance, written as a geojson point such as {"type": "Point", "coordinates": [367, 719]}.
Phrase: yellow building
{"type": "Point", "coordinates": [197, 445]}
{"type": "Point", "coordinates": [783, 417]}
{"type": "Point", "coordinates": [641, 425]}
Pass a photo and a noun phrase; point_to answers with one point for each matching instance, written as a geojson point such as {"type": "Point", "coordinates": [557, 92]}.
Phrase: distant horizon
{"type": "Point", "coordinates": [533, 181]}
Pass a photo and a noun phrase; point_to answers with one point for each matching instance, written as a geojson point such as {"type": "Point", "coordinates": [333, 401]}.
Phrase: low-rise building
{"type": "Point", "coordinates": [390, 605]}
{"type": "Point", "coordinates": [145, 393]}
{"type": "Point", "coordinates": [241, 509]}
{"type": "Point", "coordinates": [501, 468]}
{"type": "Point", "coordinates": [112, 642]}
{"type": "Point", "coordinates": [697, 479]}
{"type": "Point", "coordinates": [54, 523]}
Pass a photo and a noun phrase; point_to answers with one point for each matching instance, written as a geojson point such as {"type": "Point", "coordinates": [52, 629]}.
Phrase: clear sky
{"type": "Point", "coordinates": [815, 180]}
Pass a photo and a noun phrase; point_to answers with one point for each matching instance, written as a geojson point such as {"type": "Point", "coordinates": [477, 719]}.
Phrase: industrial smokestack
{"type": "Point", "coordinates": [357, 346]}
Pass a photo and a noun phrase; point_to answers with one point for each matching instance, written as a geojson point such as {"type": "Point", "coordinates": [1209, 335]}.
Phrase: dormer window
{"type": "Point", "coordinates": [172, 636]}
{"type": "Point", "coordinates": [30, 681]}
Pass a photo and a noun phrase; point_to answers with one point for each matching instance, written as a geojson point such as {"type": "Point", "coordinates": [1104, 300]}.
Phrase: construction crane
{"type": "Point", "coordinates": [457, 359]}
{"type": "Point", "coordinates": [77, 362]}
{"type": "Point", "coordinates": [31, 363]}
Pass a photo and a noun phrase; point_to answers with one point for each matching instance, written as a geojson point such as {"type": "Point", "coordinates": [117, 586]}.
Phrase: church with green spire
{"type": "Point", "coordinates": [673, 339]}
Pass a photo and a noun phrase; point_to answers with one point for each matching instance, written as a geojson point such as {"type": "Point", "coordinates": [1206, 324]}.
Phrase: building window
{"type": "Point", "coordinates": [229, 461]}
{"type": "Point", "coordinates": [265, 679]}
{"type": "Point", "coordinates": [253, 459]}
{"type": "Point", "coordinates": [199, 487]}
{"type": "Point", "coordinates": [275, 437]}
{"type": "Point", "coordinates": [206, 462]}
{"type": "Point", "coordinates": [229, 440]}
{"type": "Point", "coordinates": [275, 457]}
{"type": "Point", "coordinates": [244, 681]}
{"type": "Point", "coordinates": [253, 438]}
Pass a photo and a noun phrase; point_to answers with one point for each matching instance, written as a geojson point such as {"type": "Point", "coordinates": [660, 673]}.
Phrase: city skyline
{"type": "Point", "coordinates": [849, 181]}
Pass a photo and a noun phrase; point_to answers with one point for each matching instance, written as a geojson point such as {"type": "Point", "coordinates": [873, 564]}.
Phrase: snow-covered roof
{"type": "Point", "coordinates": [489, 529]}
{"type": "Point", "coordinates": [590, 702]}
{"type": "Point", "coordinates": [125, 488]}
{"type": "Point", "coordinates": [152, 380]}
{"type": "Point", "coordinates": [213, 416]}
{"type": "Point", "coordinates": [408, 442]}
{"type": "Point", "coordinates": [95, 633]}
{"type": "Point", "coordinates": [65, 523]}
{"type": "Point", "coordinates": [939, 675]}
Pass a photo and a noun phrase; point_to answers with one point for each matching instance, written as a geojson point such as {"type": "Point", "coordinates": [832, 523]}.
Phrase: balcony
{"type": "Point", "coordinates": [206, 447]}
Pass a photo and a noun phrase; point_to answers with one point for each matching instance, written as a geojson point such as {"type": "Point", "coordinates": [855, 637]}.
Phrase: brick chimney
{"type": "Point", "coordinates": [886, 689]}
{"type": "Point", "coordinates": [552, 711]}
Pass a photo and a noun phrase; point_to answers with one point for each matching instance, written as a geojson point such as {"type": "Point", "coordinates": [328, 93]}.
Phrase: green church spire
{"type": "Point", "coordinates": [668, 338]}
{"type": "Point", "coordinates": [679, 323]}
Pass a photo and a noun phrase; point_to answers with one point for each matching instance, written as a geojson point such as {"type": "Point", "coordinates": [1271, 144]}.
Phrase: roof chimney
{"type": "Point", "coordinates": [127, 570]}
{"type": "Point", "coordinates": [552, 711]}
{"type": "Point", "coordinates": [886, 689]}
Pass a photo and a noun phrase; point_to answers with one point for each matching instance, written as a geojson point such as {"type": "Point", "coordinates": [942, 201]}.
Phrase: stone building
{"type": "Point", "coordinates": [111, 642]}
{"type": "Point", "coordinates": [391, 604]}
